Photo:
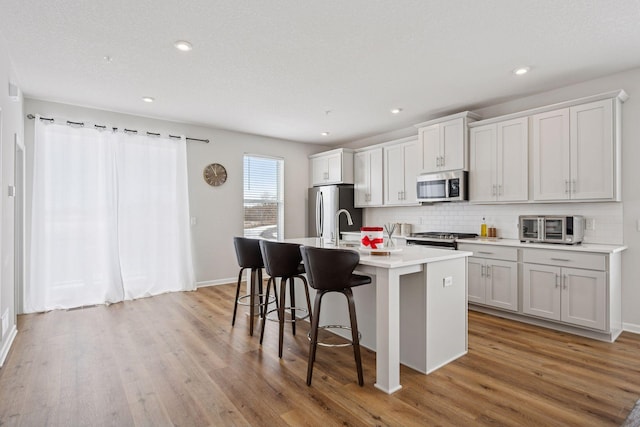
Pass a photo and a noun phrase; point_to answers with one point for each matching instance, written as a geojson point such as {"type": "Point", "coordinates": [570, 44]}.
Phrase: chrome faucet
{"type": "Point", "coordinates": [336, 235]}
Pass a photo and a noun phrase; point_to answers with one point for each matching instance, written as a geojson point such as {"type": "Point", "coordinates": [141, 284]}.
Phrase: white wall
{"type": "Point", "coordinates": [10, 128]}
{"type": "Point", "coordinates": [218, 210]}
{"type": "Point", "coordinates": [615, 222]}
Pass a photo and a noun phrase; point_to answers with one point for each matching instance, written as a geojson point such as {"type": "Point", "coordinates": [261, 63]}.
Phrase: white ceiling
{"type": "Point", "coordinates": [275, 67]}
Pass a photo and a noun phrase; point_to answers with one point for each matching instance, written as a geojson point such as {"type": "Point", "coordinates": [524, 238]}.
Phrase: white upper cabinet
{"type": "Point", "coordinates": [368, 177]}
{"type": "Point", "coordinates": [332, 167]}
{"type": "Point", "coordinates": [575, 153]}
{"type": "Point", "coordinates": [498, 164]}
{"type": "Point", "coordinates": [401, 168]}
{"type": "Point", "coordinates": [444, 143]}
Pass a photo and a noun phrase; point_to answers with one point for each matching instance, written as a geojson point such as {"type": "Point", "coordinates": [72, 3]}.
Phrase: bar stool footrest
{"type": "Point", "coordinates": [241, 299]}
{"type": "Point", "coordinates": [347, 344]}
{"type": "Point", "coordinates": [275, 310]}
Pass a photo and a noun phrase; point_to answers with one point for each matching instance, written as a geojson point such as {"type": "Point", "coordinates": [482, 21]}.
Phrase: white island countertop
{"type": "Point", "coordinates": [406, 256]}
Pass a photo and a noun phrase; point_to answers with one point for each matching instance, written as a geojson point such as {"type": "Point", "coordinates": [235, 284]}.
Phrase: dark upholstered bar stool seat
{"type": "Point", "coordinates": [249, 257]}
{"type": "Point", "coordinates": [284, 261]}
{"type": "Point", "coordinates": [331, 270]}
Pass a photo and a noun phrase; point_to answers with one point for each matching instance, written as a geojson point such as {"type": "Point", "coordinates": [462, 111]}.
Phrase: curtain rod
{"type": "Point", "coordinates": [81, 124]}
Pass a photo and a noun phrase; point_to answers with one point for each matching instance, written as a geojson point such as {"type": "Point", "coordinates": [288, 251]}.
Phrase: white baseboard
{"type": "Point", "coordinates": [7, 345]}
{"type": "Point", "coordinates": [630, 327]}
{"type": "Point", "coordinates": [216, 282]}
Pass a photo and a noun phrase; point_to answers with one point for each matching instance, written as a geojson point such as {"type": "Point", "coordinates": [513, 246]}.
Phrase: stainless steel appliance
{"type": "Point", "coordinates": [443, 187]}
{"type": "Point", "coordinates": [566, 229]}
{"type": "Point", "coordinates": [440, 239]}
{"type": "Point", "coordinates": [324, 202]}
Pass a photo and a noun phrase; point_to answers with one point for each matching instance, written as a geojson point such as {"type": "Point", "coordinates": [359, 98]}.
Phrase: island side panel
{"type": "Point", "coordinates": [413, 321]}
{"type": "Point", "coordinates": [446, 312]}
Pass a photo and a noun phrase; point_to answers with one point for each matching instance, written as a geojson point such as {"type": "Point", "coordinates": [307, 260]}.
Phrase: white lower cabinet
{"type": "Point", "coordinates": [567, 288]}
{"type": "Point", "coordinates": [493, 276]}
{"type": "Point", "coordinates": [576, 296]}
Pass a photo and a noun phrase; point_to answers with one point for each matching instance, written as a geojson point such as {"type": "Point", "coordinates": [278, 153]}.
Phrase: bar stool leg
{"type": "Point", "coordinates": [264, 317]}
{"type": "Point", "coordinates": [252, 300]}
{"type": "Point", "coordinates": [262, 307]}
{"type": "Point", "coordinates": [354, 333]}
{"type": "Point", "coordinates": [283, 288]}
{"type": "Point", "coordinates": [235, 304]}
{"type": "Point", "coordinates": [313, 344]}
{"type": "Point", "coordinates": [292, 295]}
{"type": "Point", "coordinates": [306, 293]}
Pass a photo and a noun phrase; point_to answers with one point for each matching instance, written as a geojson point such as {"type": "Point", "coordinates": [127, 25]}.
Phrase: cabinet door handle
{"type": "Point", "coordinates": [482, 268]}
{"type": "Point", "coordinates": [488, 271]}
{"type": "Point", "coordinates": [566, 186]}
{"type": "Point", "coordinates": [500, 190]}
{"type": "Point", "coordinates": [443, 162]}
{"type": "Point", "coordinates": [560, 259]}
{"type": "Point", "coordinates": [557, 281]}
{"type": "Point", "coordinates": [572, 188]}
{"type": "Point", "coordinates": [564, 284]}
{"type": "Point", "coordinates": [493, 190]}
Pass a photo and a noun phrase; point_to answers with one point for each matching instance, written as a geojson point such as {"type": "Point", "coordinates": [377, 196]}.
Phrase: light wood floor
{"type": "Point", "coordinates": [175, 360]}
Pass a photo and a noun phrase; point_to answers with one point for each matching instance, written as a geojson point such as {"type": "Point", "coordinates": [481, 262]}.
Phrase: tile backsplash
{"type": "Point", "coordinates": [466, 217]}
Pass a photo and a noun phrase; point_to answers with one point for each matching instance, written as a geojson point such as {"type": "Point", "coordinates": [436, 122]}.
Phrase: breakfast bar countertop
{"type": "Point", "coordinates": [407, 256]}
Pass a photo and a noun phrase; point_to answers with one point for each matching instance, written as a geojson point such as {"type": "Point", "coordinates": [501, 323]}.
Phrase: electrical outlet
{"type": "Point", "coordinates": [194, 220]}
{"type": "Point", "coordinates": [447, 281]}
{"type": "Point", "coordinates": [590, 224]}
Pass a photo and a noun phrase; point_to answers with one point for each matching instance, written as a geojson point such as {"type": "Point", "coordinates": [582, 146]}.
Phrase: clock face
{"type": "Point", "coordinates": [215, 174]}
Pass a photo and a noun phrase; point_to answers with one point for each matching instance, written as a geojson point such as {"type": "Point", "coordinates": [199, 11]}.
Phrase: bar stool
{"type": "Point", "coordinates": [249, 256]}
{"type": "Point", "coordinates": [331, 270]}
{"type": "Point", "coordinates": [284, 261]}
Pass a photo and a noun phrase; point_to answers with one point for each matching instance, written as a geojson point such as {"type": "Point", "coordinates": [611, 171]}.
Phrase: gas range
{"type": "Point", "coordinates": [441, 239]}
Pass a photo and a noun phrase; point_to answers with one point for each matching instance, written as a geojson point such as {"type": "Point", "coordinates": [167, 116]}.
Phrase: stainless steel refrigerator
{"type": "Point", "coordinates": [324, 202]}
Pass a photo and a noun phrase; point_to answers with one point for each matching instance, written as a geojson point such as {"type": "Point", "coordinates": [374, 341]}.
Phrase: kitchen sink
{"type": "Point", "coordinates": [349, 244]}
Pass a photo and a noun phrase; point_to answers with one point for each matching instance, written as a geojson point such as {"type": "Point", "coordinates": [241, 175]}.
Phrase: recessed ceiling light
{"type": "Point", "coordinates": [325, 134]}
{"type": "Point", "coordinates": [183, 45]}
{"type": "Point", "coordinates": [148, 99]}
{"type": "Point", "coordinates": [520, 71]}
{"type": "Point", "coordinates": [396, 111]}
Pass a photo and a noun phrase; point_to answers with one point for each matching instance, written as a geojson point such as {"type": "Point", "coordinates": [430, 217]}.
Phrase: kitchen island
{"type": "Point", "coordinates": [419, 308]}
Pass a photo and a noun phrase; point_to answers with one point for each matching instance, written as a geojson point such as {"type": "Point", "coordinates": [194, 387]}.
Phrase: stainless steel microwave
{"type": "Point", "coordinates": [443, 186]}
{"type": "Point", "coordinates": [567, 229]}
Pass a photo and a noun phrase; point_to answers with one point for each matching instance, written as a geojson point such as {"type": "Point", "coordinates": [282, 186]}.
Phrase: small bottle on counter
{"type": "Point", "coordinates": [483, 228]}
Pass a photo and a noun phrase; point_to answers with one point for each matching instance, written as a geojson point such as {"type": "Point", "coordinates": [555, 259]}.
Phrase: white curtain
{"type": "Point", "coordinates": [109, 218]}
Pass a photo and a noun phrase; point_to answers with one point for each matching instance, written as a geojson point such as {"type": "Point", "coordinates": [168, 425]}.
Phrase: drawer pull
{"type": "Point", "coordinates": [485, 253]}
{"type": "Point", "coordinates": [560, 259]}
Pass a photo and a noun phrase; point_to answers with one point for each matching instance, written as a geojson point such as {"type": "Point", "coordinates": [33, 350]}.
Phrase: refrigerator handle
{"type": "Point", "coordinates": [318, 213]}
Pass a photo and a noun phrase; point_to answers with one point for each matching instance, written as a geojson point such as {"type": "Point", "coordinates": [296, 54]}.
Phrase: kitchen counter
{"type": "Point", "coordinates": [422, 289]}
{"type": "Point", "coordinates": [583, 247]}
{"type": "Point", "coordinates": [406, 257]}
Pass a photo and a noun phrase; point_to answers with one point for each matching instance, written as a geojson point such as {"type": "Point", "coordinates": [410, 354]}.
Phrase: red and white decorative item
{"type": "Point", "coordinates": [371, 237]}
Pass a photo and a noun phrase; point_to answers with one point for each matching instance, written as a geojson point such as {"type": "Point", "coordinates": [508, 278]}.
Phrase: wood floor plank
{"type": "Point", "coordinates": [174, 359]}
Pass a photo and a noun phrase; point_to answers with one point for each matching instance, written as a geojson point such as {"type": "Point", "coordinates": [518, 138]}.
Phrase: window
{"type": "Point", "coordinates": [263, 197]}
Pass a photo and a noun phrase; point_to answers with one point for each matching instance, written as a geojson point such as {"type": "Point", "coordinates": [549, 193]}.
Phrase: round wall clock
{"type": "Point", "coordinates": [215, 174]}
